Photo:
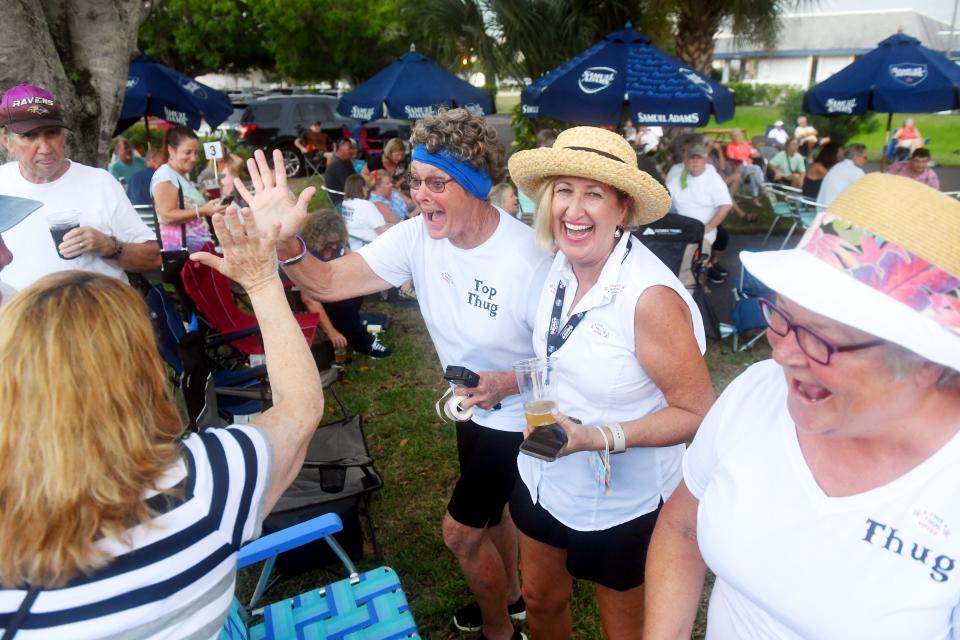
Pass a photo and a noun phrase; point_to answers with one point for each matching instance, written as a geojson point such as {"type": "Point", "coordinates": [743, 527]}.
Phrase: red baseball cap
{"type": "Point", "coordinates": [24, 108]}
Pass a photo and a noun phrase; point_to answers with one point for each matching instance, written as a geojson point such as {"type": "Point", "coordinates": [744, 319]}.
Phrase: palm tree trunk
{"type": "Point", "coordinates": [696, 28]}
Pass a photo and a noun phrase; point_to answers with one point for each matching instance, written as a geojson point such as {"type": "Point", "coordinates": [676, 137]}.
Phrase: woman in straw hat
{"type": "Point", "coordinates": [823, 487]}
{"type": "Point", "coordinates": [627, 340]}
{"type": "Point", "coordinates": [113, 524]}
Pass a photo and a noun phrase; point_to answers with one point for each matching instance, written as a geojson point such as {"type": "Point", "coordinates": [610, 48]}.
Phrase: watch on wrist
{"type": "Point", "coordinates": [116, 252]}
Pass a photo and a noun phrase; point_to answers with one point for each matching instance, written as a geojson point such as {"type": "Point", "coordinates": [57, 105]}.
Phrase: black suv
{"type": "Point", "coordinates": [274, 122]}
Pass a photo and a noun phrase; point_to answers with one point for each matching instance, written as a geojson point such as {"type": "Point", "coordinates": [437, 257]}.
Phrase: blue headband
{"type": "Point", "coordinates": [474, 181]}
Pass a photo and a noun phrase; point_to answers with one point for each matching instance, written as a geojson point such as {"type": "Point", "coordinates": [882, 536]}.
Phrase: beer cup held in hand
{"type": "Point", "coordinates": [535, 377]}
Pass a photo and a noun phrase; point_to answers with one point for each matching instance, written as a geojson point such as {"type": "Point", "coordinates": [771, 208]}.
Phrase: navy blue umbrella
{"type": "Point", "coordinates": [899, 76]}
{"type": "Point", "coordinates": [156, 90]}
{"type": "Point", "coordinates": [412, 86]}
{"type": "Point", "coordinates": [592, 87]}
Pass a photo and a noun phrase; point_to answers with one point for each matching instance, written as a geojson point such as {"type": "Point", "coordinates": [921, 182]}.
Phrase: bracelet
{"type": "Point", "coordinates": [196, 211]}
{"type": "Point", "coordinates": [297, 258]}
{"type": "Point", "coordinates": [116, 252]}
{"type": "Point", "coordinates": [619, 439]}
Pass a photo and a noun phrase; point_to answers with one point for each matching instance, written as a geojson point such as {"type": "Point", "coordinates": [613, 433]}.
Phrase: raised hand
{"type": "Point", "coordinates": [249, 255]}
{"type": "Point", "coordinates": [272, 203]}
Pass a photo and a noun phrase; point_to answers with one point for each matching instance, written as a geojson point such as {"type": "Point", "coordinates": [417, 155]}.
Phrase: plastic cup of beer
{"type": "Point", "coordinates": [536, 379]}
{"type": "Point", "coordinates": [340, 355]}
{"type": "Point", "coordinates": [61, 223]}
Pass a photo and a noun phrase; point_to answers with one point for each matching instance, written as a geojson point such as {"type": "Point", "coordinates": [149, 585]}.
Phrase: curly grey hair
{"type": "Point", "coordinates": [318, 227]}
{"type": "Point", "coordinates": [467, 135]}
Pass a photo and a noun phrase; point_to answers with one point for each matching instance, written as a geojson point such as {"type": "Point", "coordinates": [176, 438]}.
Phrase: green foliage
{"type": "Point", "coordinates": [137, 136]}
{"type": "Point", "coordinates": [768, 95]}
{"type": "Point", "coordinates": [313, 41]}
{"type": "Point", "coordinates": [525, 129]}
{"type": "Point", "coordinates": [840, 129]}
{"type": "Point", "coordinates": [200, 36]}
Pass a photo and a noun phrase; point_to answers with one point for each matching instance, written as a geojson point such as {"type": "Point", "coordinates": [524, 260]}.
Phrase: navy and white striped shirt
{"type": "Point", "coordinates": [176, 579]}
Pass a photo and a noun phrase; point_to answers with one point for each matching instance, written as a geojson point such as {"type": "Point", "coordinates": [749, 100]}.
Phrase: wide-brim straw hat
{"type": "Point", "coordinates": [597, 154]}
{"type": "Point", "coordinates": [884, 258]}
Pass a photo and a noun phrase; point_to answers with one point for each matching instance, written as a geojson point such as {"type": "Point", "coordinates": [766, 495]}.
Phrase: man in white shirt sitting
{"type": "Point", "coordinates": [703, 195]}
{"type": "Point", "coordinates": [843, 174]}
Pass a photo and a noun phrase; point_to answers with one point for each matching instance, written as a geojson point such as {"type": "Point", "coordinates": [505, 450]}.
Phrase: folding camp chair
{"type": "Point", "coordinates": [148, 215]}
{"type": "Point", "coordinates": [314, 163]}
{"type": "Point", "coordinates": [213, 393]}
{"type": "Point", "coordinates": [369, 605]}
{"type": "Point", "coordinates": [804, 211]}
{"type": "Point", "coordinates": [210, 292]}
{"type": "Point", "coordinates": [677, 241]}
{"type": "Point", "coordinates": [782, 209]}
{"type": "Point", "coordinates": [746, 315]}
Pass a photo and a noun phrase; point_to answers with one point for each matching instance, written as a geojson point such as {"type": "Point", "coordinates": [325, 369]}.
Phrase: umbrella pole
{"type": "Point", "coordinates": [146, 126]}
{"type": "Point", "coordinates": [886, 143]}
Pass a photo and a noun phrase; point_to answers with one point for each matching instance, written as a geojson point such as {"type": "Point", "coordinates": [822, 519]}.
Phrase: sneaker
{"type": "Point", "coordinates": [375, 350]}
{"type": "Point", "coordinates": [714, 276]}
{"type": "Point", "coordinates": [468, 618]}
{"type": "Point", "coordinates": [517, 635]}
{"type": "Point", "coordinates": [721, 270]}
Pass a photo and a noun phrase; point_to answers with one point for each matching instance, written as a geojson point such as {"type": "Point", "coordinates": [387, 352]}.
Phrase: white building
{"type": "Point", "coordinates": [811, 48]}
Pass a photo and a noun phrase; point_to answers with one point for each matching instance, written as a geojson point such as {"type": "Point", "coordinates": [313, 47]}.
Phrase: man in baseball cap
{"type": "Point", "coordinates": [110, 238]}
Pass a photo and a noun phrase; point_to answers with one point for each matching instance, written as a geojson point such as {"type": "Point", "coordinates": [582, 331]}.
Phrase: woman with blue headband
{"type": "Point", "coordinates": [477, 273]}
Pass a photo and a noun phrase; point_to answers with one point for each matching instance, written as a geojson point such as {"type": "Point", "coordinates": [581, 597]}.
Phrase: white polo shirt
{"type": "Point", "coordinates": [102, 204]}
{"type": "Point", "coordinates": [600, 380]}
{"type": "Point", "coordinates": [478, 304]}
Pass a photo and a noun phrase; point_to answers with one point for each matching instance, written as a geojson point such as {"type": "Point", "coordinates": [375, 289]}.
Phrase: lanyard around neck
{"type": "Point", "coordinates": [557, 337]}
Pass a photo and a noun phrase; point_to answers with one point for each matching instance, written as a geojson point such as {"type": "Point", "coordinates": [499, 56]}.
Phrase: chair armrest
{"type": "Point", "coordinates": [289, 538]}
{"type": "Point", "coordinates": [225, 338]}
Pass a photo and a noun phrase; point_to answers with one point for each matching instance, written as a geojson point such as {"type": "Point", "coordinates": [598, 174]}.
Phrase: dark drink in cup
{"type": "Point", "coordinates": [62, 223]}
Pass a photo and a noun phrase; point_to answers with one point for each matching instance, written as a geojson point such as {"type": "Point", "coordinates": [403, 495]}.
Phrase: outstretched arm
{"type": "Point", "coordinates": [250, 260]}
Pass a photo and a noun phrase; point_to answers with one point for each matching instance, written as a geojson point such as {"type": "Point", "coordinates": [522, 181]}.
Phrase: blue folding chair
{"type": "Point", "coordinates": [364, 606]}
{"type": "Point", "coordinates": [746, 315]}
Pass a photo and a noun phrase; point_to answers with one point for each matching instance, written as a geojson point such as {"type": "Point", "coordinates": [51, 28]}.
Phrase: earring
{"type": "Point", "coordinates": [618, 231]}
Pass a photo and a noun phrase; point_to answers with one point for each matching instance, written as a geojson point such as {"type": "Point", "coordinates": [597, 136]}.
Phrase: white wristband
{"type": "Point", "coordinates": [619, 439]}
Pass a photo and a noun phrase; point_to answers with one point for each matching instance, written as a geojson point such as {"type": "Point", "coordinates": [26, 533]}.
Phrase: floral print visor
{"type": "Point", "coordinates": [886, 267]}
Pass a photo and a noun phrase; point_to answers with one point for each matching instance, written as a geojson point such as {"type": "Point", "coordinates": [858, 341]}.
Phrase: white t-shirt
{"type": "Point", "coordinates": [779, 134]}
{"type": "Point", "coordinates": [102, 204]}
{"type": "Point", "coordinates": [675, 170]}
{"type": "Point", "coordinates": [478, 304]}
{"type": "Point", "coordinates": [840, 176]}
{"type": "Point", "coordinates": [6, 292]}
{"type": "Point", "coordinates": [792, 562]}
{"type": "Point", "coordinates": [600, 380]}
{"type": "Point", "coordinates": [362, 218]}
{"type": "Point", "coordinates": [701, 197]}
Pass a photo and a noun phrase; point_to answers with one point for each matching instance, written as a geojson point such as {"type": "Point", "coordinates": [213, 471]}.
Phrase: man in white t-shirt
{"type": "Point", "coordinates": [703, 195]}
{"type": "Point", "coordinates": [110, 237]}
{"type": "Point", "coordinates": [478, 275]}
{"type": "Point", "coordinates": [843, 174]}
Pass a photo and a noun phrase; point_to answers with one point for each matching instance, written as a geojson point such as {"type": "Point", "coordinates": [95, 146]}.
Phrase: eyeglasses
{"type": "Point", "coordinates": [437, 185]}
{"type": "Point", "coordinates": [816, 347]}
{"type": "Point", "coordinates": [331, 251]}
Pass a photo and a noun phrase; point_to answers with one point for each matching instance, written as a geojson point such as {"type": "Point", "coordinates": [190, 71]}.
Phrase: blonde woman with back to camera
{"type": "Point", "coordinates": [114, 523]}
{"type": "Point", "coordinates": [627, 342]}
{"type": "Point", "coordinates": [823, 488]}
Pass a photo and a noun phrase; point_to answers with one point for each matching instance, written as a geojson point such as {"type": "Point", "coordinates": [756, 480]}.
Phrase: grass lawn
{"type": "Point", "coordinates": [416, 455]}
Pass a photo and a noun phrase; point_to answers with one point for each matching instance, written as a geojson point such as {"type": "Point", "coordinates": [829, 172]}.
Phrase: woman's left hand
{"type": "Point", "coordinates": [580, 437]}
{"type": "Point", "coordinates": [249, 257]}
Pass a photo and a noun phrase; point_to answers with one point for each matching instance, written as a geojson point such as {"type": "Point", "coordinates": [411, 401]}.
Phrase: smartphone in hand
{"type": "Point", "coordinates": [545, 443]}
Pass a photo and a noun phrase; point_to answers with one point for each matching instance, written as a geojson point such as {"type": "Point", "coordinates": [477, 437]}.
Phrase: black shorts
{"type": "Point", "coordinates": [723, 238]}
{"type": "Point", "coordinates": [614, 558]}
{"type": "Point", "coordinates": [488, 471]}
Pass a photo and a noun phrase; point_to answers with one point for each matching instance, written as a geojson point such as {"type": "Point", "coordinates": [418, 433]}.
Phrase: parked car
{"type": "Point", "coordinates": [274, 122]}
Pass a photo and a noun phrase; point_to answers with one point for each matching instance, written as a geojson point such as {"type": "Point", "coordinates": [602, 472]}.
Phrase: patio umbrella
{"type": "Point", "coordinates": [591, 88]}
{"type": "Point", "coordinates": [156, 90]}
{"type": "Point", "coordinates": [412, 86]}
{"type": "Point", "coordinates": [899, 76]}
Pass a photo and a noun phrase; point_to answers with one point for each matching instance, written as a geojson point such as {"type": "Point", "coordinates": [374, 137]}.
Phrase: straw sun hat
{"type": "Point", "coordinates": [598, 154]}
{"type": "Point", "coordinates": [883, 258]}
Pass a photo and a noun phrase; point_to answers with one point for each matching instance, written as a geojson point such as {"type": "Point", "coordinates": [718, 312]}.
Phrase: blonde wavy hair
{"type": "Point", "coordinates": [88, 424]}
{"type": "Point", "coordinates": [467, 135]}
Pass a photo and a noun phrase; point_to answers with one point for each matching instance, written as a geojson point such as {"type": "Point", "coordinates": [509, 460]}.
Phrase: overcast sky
{"type": "Point", "coordinates": [940, 9]}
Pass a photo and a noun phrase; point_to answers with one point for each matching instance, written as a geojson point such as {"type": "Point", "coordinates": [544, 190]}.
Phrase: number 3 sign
{"type": "Point", "coordinates": [212, 150]}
